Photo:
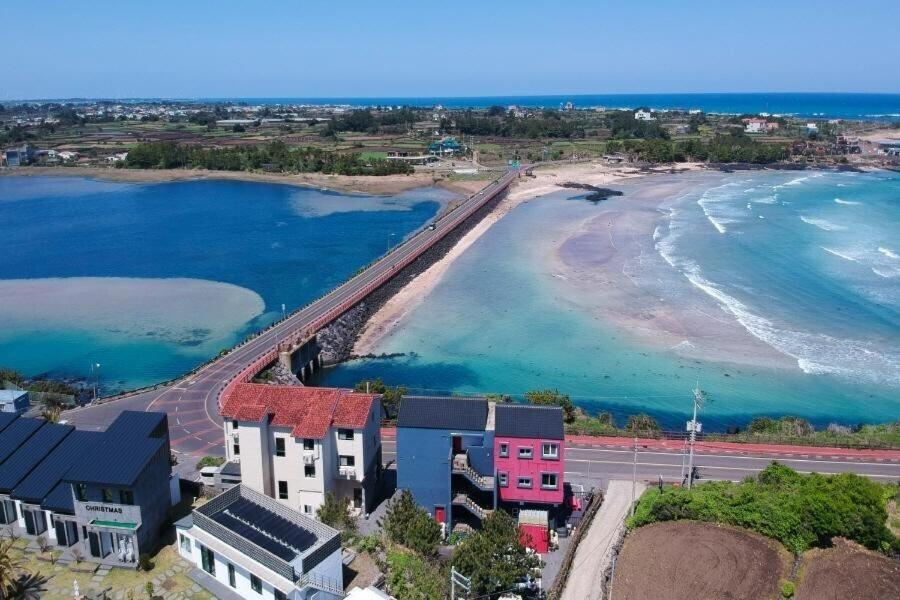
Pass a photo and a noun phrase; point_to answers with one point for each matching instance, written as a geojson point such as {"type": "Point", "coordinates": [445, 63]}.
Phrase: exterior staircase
{"type": "Point", "coordinates": [462, 467]}
{"type": "Point", "coordinates": [462, 499]}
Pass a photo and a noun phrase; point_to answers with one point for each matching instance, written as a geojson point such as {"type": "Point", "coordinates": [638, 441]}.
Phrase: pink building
{"type": "Point", "coordinates": [529, 454]}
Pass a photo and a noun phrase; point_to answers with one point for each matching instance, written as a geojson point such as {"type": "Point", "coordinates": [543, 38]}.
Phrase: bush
{"type": "Point", "coordinates": [210, 461]}
{"type": "Point", "coordinates": [641, 422]}
{"type": "Point", "coordinates": [800, 511]}
{"type": "Point", "coordinates": [335, 512]}
{"type": "Point", "coordinates": [411, 577]}
{"type": "Point", "coordinates": [553, 398]}
{"type": "Point", "coordinates": [406, 523]}
{"type": "Point", "coordinates": [787, 589]}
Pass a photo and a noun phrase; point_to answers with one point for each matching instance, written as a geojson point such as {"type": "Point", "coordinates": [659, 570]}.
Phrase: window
{"type": "Point", "coordinates": [279, 446]}
{"type": "Point", "coordinates": [345, 434]}
{"type": "Point", "coordinates": [550, 450]}
{"type": "Point", "coordinates": [208, 560]}
{"type": "Point", "coordinates": [106, 494]}
{"type": "Point", "coordinates": [347, 460]}
{"type": "Point", "coordinates": [185, 542]}
{"type": "Point", "coordinates": [525, 452]}
{"type": "Point", "coordinates": [234, 425]}
{"type": "Point", "coordinates": [236, 449]}
{"type": "Point", "coordinates": [309, 444]}
{"type": "Point", "coordinates": [548, 481]}
{"type": "Point", "coordinates": [232, 580]}
{"type": "Point", "coordinates": [503, 479]}
{"type": "Point", "coordinates": [282, 490]}
{"type": "Point", "coordinates": [279, 595]}
{"type": "Point", "coordinates": [81, 492]}
{"type": "Point", "coordinates": [256, 584]}
{"type": "Point", "coordinates": [307, 509]}
{"type": "Point", "coordinates": [126, 497]}
{"type": "Point", "coordinates": [524, 482]}
{"type": "Point", "coordinates": [309, 470]}
{"type": "Point", "coordinates": [504, 449]}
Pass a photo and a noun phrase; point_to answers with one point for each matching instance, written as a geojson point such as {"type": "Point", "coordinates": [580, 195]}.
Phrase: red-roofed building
{"type": "Point", "coordinates": [296, 444]}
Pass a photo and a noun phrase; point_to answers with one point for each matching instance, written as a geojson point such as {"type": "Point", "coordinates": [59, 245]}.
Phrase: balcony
{"type": "Point", "coordinates": [309, 457]}
{"type": "Point", "coordinates": [462, 467]}
{"type": "Point", "coordinates": [347, 472]}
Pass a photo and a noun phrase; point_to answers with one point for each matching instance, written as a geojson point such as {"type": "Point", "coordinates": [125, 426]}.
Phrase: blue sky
{"type": "Point", "coordinates": [282, 48]}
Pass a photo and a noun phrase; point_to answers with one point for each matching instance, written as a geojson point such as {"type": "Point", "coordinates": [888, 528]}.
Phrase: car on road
{"type": "Point", "coordinates": [432, 226]}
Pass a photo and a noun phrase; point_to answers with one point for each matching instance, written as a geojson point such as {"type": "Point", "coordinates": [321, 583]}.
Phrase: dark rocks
{"type": "Point", "coordinates": [596, 193]}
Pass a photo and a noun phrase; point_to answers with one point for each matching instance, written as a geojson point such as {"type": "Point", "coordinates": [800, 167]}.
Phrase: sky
{"type": "Point", "coordinates": [361, 48]}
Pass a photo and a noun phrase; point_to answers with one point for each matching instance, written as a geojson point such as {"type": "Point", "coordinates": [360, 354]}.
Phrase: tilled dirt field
{"type": "Point", "coordinates": [848, 572]}
{"type": "Point", "coordinates": [690, 560]}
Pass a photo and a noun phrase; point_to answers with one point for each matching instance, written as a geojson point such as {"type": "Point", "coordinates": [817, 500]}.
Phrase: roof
{"type": "Point", "coordinates": [15, 435]}
{"type": "Point", "coordinates": [43, 478]}
{"type": "Point", "coordinates": [231, 468]}
{"type": "Point", "coordinates": [59, 500]}
{"type": "Point", "coordinates": [261, 528]}
{"type": "Point", "coordinates": [123, 451]}
{"type": "Point", "coordinates": [443, 412]}
{"type": "Point", "coordinates": [310, 412]}
{"type": "Point", "coordinates": [525, 421]}
{"type": "Point", "coordinates": [6, 419]}
{"type": "Point", "coordinates": [11, 395]}
{"type": "Point", "coordinates": [30, 454]}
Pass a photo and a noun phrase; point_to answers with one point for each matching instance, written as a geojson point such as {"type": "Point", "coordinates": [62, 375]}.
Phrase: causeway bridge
{"type": "Point", "coordinates": [192, 401]}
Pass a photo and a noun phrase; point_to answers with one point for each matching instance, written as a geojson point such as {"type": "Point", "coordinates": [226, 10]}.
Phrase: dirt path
{"type": "Point", "coordinates": [594, 553]}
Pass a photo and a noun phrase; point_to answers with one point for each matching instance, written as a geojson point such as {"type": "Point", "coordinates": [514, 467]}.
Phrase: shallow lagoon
{"type": "Point", "coordinates": [151, 279]}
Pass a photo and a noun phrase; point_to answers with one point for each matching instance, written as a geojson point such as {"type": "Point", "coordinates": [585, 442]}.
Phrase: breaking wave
{"type": "Point", "coordinates": [822, 224]}
{"type": "Point", "coordinates": [888, 252]}
{"type": "Point", "coordinates": [850, 202]}
{"type": "Point", "coordinates": [838, 254]}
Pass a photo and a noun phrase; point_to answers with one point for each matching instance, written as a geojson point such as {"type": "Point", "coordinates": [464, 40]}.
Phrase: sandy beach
{"type": "Point", "coordinates": [546, 180]}
{"type": "Point", "coordinates": [385, 185]}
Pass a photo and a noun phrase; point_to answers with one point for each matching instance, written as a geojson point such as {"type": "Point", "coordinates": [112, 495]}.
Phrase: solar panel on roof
{"type": "Point", "coordinates": [276, 525]}
{"type": "Point", "coordinates": [247, 532]}
{"type": "Point", "coordinates": [29, 454]}
{"type": "Point", "coordinates": [15, 435]}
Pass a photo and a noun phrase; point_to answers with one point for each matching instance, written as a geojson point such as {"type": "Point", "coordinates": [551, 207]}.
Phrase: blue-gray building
{"type": "Point", "coordinates": [431, 432]}
{"type": "Point", "coordinates": [13, 401]}
{"type": "Point", "coordinates": [106, 494]}
{"type": "Point", "coordinates": [19, 157]}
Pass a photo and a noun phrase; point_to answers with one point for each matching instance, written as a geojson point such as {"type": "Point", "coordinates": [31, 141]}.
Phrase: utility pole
{"type": "Point", "coordinates": [693, 427]}
{"type": "Point", "coordinates": [634, 475]}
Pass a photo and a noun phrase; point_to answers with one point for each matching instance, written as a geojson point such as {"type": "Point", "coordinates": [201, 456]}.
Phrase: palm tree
{"type": "Point", "coordinates": [15, 584]}
{"type": "Point", "coordinates": [9, 568]}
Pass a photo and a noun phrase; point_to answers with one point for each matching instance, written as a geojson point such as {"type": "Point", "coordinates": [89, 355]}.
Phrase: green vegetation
{"type": "Point", "coordinates": [800, 511]}
{"type": "Point", "coordinates": [210, 461]}
{"type": "Point", "coordinates": [412, 577]}
{"type": "Point", "coordinates": [274, 157]}
{"type": "Point", "coordinates": [390, 396]}
{"type": "Point", "coordinates": [37, 385]}
{"type": "Point", "coordinates": [796, 430]}
{"type": "Point", "coordinates": [787, 589]}
{"type": "Point", "coordinates": [554, 398]}
{"type": "Point", "coordinates": [734, 147]}
{"type": "Point", "coordinates": [407, 524]}
{"type": "Point", "coordinates": [550, 124]}
{"type": "Point", "coordinates": [335, 512]}
{"type": "Point", "coordinates": [493, 557]}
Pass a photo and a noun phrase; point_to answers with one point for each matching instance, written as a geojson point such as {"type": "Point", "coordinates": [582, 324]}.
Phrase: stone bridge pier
{"type": "Point", "coordinates": [303, 358]}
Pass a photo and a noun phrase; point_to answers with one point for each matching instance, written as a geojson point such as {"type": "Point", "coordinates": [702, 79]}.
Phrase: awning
{"type": "Point", "coordinates": [114, 524]}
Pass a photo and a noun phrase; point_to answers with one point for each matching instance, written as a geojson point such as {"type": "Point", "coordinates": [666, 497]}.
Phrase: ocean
{"type": "Point", "coordinates": [150, 280]}
{"type": "Point", "coordinates": [777, 292]}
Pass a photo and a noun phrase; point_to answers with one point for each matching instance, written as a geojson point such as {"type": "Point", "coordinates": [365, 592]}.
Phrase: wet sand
{"type": "Point", "coordinates": [546, 180]}
{"type": "Point", "coordinates": [612, 262]}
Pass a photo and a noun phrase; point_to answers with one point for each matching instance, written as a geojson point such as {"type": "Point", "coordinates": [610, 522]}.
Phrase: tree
{"type": "Point", "coordinates": [493, 557]}
{"type": "Point", "coordinates": [553, 398]}
{"type": "Point", "coordinates": [408, 524]}
{"type": "Point", "coordinates": [335, 512]}
{"type": "Point", "coordinates": [641, 422]}
{"type": "Point", "coordinates": [210, 461]}
{"type": "Point", "coordinates": [390, 396]}
{"type": "Point", "coordinates": [14, 581]}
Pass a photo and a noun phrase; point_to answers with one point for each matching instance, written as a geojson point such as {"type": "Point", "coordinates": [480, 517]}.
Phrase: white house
{"type": "Point", "coordinates": [296, 444]}
{"type": "Point", "coordinates": [13, 401]}
{"type": "Point", "coordinates": [257, 548]}
{"type": "Point", "coordinates": [643, 115]}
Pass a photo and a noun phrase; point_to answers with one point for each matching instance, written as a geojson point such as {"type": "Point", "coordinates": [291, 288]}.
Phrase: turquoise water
{"type": "Point", "coordinates": [783, 290]}
{"type": "Point", "coordinates": [148, 280]}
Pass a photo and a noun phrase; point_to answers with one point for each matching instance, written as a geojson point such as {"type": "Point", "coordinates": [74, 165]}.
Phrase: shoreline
{"type": "Point", "coordinates": [545, 181]}
{"type": "Point", "coordinates": [374, 185]}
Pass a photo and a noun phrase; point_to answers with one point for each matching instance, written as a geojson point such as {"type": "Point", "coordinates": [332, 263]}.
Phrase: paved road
{"type": "Point", "coordinates": [192, 403]}
{"type": "Point", "coordinates": [595, 466]}
{"type": "Point", "coordinates": [595, 550]}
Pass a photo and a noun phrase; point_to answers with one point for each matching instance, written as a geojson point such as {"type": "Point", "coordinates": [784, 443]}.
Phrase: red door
{"type": "Point", "coordinates": [439, 514]}
{"type": "Point", "coordinates": [457, 445]}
